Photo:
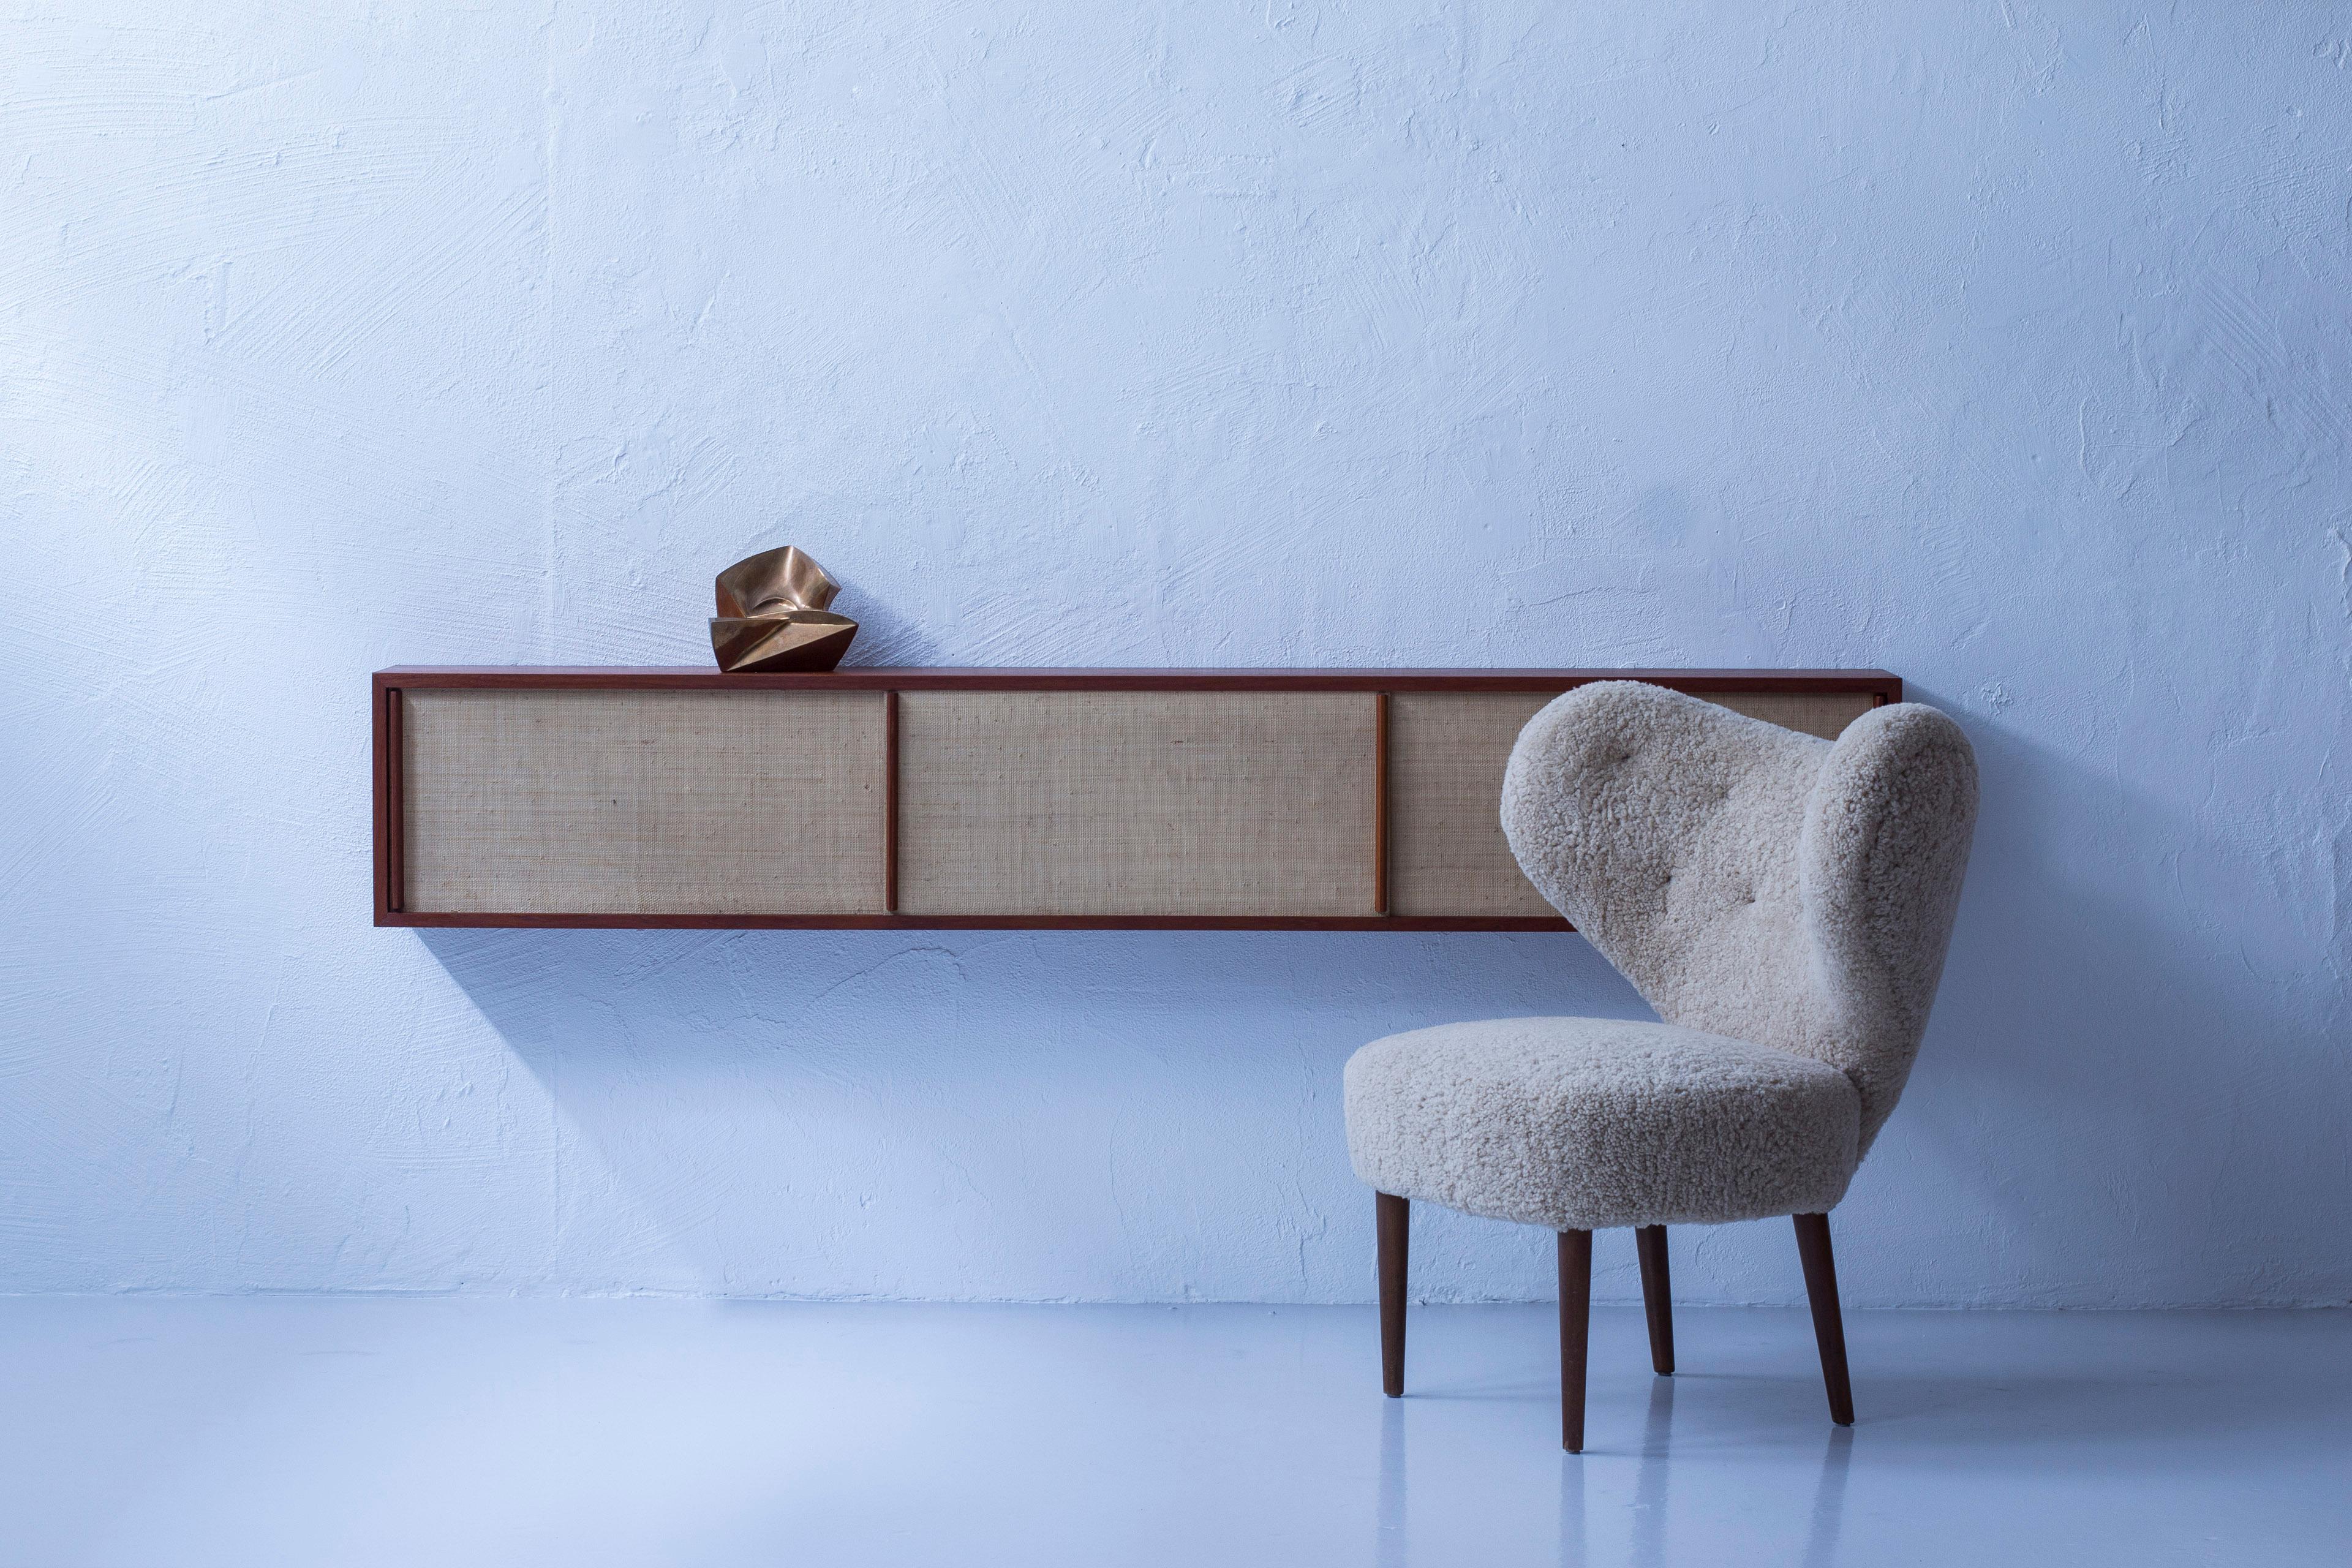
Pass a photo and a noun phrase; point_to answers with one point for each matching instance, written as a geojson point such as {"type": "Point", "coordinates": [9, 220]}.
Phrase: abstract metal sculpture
{"type": "Point", "coordinates": [773, 616]}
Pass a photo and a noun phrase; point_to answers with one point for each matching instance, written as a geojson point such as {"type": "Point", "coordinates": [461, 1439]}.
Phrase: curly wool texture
{"type": "Point", "coordinates": [1772, 896]}
{"type": "Point", "coordinates": [1585, 1123]}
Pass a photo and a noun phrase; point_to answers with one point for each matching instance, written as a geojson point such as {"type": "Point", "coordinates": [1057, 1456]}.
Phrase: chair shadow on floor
{"type": "Point", "coordinates": [1649, 1500]}
{"type": "Point", "coordinates": [2028, 1405]}
{"type": "Point", "coordinates": [2121, 1394]}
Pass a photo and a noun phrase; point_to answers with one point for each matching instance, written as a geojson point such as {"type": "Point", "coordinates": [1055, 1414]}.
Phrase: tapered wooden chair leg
{"type": "Point", "coordinates": [1829, 1325]}
{"type": "Point", "coordinates": [1395, 1229]}
{"type": "Point", "coordinates": [1575, 1319]}
{"type": "Point", "coordinates": [1657, 1296]}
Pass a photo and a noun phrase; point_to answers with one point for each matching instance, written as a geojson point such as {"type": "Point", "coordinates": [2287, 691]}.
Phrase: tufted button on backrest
{"type": "Point", "coordinates": [1657, 823]}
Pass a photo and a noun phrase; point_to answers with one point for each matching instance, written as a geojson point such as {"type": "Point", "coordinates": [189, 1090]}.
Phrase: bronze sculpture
{"type": "Point", "coordinates": [773, 616]}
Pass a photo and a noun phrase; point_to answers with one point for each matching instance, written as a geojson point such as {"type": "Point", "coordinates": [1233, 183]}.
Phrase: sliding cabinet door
{"type": "Point", "coordinates": [1447, 855]}
{"type": "Point", "coordinates": [661, 802]}
{"type": "Point", "coordinates": [1231, 803]}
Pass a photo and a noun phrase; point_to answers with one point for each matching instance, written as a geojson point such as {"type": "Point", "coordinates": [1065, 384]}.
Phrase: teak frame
{"type": "Point", "coordinates": [390, 815]}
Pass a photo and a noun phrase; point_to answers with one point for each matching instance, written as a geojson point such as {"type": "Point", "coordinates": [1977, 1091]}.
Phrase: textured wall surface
{"type": "Point", "coordinates": [2001, 345]}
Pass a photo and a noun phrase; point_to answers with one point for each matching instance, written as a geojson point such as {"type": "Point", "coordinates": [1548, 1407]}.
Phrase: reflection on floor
{"type": "Point", "coordinates": [354, 1431]}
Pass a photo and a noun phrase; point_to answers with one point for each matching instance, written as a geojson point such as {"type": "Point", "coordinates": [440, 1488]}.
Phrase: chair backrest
{"type": "Point", "coordinates": [1750, 880]}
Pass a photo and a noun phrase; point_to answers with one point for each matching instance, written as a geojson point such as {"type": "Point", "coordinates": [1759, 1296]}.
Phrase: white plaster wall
{"type": "Point", "coordinates": [2001, 345]}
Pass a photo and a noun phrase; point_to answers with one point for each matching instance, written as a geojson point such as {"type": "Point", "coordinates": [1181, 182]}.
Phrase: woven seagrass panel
{"type": "Point", "coordinates": [1447, 855]}
{"type": "Point", "coordinates": [1145, 803]}
{"type": "Point", "coordinates": [1821, 714]}
{"type": "Point", "coordinates": [643, 803]}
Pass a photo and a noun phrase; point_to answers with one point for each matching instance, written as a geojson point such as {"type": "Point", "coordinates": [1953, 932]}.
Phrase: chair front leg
{"type": "Point", "coordinates": [1657, 1296]}
{"type": "Point", "coordinates": [1575, 1319]}
{"type": "Point", "coordinates": [1829, 1325]}
{"type": "Point", "coordinates": [1394, 1227]}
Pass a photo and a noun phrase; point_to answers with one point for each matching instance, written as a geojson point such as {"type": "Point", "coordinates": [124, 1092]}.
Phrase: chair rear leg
{"type": "Point", "coordinates": [1575, 1319]}
{"type": "Point", "coordinates": [1829, 1326]}
{"type": "Point", "coordinates": [1394, 1216]}
{"type": "Point", "coordinates": [1657, 1296]}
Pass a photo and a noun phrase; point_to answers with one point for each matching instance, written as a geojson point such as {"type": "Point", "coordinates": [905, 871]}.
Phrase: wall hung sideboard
{"type": "Point", "coordinates": [1266, 799]}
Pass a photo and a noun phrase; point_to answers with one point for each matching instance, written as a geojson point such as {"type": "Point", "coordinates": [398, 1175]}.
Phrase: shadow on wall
{"type": "Point", "coordinates": [1054, 1115]}
{"type": "Point", "coordinates": [2114, 1107]}
{"type": "Point", "coordinates": [886, 636]}
{"type": "Point", "coordinates": [2117, 1104]}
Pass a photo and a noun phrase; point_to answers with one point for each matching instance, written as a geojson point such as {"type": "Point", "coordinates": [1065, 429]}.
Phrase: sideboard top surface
{"type": "Point", "coordinates": [934, 678]}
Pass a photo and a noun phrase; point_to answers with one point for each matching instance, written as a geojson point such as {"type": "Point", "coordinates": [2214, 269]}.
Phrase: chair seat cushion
{"type": "Point", "coordinates": [1585, 1123]}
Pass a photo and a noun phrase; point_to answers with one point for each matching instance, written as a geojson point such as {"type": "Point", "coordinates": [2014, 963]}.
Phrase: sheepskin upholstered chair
{"type": "Point", "coordinates": [1782, 902]}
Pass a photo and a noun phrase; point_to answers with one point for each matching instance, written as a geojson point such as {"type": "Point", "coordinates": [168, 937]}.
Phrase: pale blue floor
{"type": "Point", "coordinates": [167, 1432]}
